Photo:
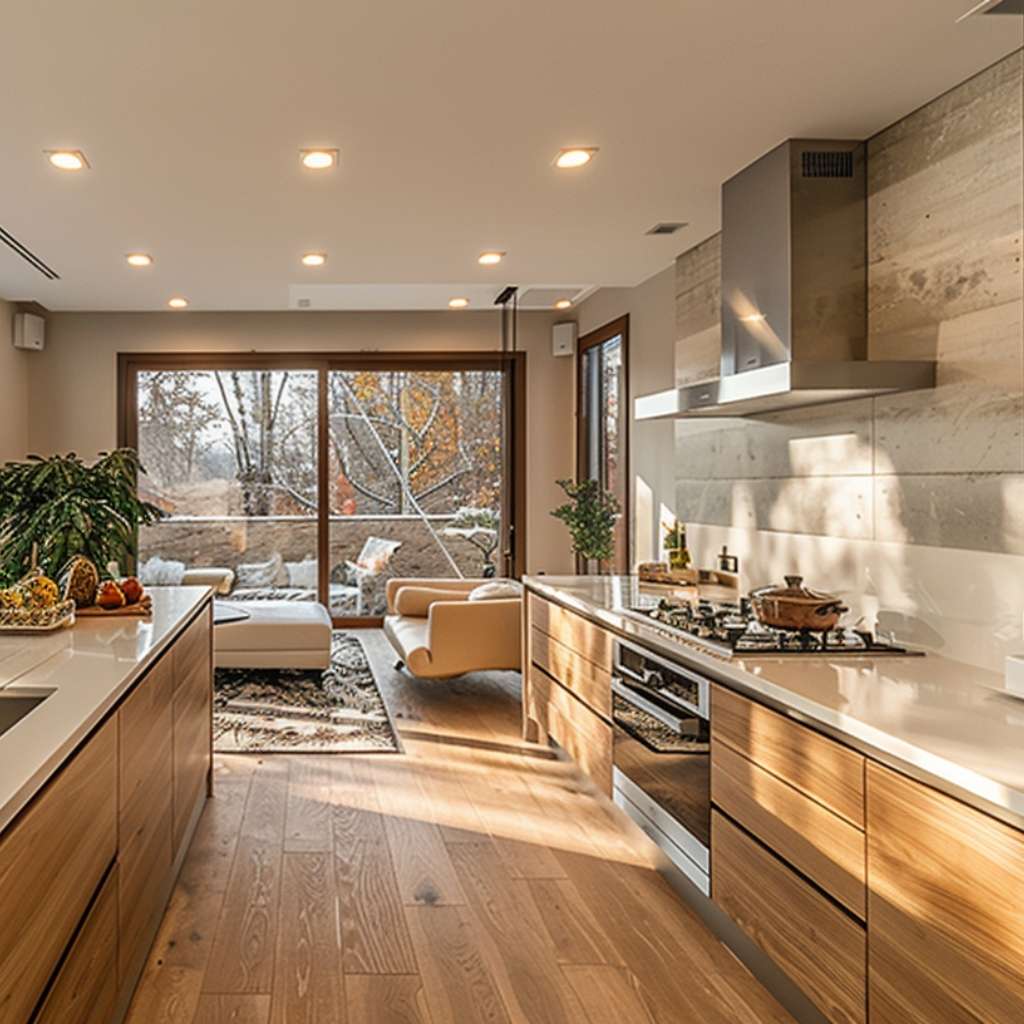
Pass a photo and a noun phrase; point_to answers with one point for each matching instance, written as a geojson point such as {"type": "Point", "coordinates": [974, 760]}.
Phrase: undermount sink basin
{"type": "Point", "coordinates": [15, 706]}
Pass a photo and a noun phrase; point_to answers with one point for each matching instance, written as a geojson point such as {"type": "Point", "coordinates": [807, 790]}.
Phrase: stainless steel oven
{"type": "Point", "coordinates": [662, 763]}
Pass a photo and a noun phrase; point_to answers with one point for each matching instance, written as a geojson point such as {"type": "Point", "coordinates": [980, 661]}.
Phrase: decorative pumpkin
{"type": "Point", "coordinates": [40, 592]}
{"type": "Point", "coordinates": [110, 595]}
{"type": "Point", "coordinates": [80, 581]}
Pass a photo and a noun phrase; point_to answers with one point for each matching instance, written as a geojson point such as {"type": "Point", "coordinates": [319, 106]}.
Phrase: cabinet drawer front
{"type": "Point", "coordinates": [945, 908]}
{"type": "Point", "coordinates": [86, 988]}
{"type": "Point", "coordinates": [826, 771]}
{"type": "Point", "coordinates": [585, 737]}
{"type": "Point", "coordinates": [821, 949]}
{"type": "Point", "coordinates": [191, 651]}
{"type": "Point", "coordinates": [51, 862]}
{"type": "Point", "coordinates": [591, 683]}
{"type": "Point", "coordinates": [572, 630]}
{"type": "Point", "coordinates": [825, 847]}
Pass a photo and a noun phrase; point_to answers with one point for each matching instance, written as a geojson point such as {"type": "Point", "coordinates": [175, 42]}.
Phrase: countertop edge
{"type": "Point", "coordinates": [63, 753]}
{"type": "Point", "coordinates": [979, 791]}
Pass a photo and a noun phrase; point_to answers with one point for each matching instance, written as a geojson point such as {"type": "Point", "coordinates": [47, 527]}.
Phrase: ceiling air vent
{"type": "Point", "coordinates": [816, 163]}
{"type": "Point", "coordinates": [28, 255]}
{"type": "Point", "coordinates": [666, 227]}
{"type": "Point", "coordinates": [994, 7]}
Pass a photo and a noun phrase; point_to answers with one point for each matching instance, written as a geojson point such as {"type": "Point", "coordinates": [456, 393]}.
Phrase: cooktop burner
{"type": "Point", "coordinates": [730, 628]}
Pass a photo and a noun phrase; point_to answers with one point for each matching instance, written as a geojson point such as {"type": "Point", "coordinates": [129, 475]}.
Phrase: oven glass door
{"type": "Point", "coordinates": [665, 753]}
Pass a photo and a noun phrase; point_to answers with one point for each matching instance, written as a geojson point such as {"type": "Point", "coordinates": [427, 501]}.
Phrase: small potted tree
{"type": "Point", "coordinates": [60, 507]}
{"type": "Point", "coordinates": [590, 513]}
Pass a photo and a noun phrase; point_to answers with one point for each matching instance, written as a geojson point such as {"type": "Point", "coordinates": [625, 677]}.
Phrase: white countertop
{"type": "Point", "coordinates": [88, 667]}
{"type": "Point", "coordinates": [941, 721]}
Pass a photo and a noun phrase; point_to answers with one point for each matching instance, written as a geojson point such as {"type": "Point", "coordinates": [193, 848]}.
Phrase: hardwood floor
{"type": "Point", "coordinates": [474, 879]}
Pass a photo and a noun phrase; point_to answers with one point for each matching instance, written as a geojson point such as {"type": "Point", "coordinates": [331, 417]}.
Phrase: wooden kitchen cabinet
{"type": "Point", "coordinates": [567, 687]}
{"type": "Point", "coordinates": [85, 990]}
{"type": "Point", "coordinates": [193, 683]}
{"type": "Point", "coordinates": [824, 770]}
{"type": "Point", "coordinates": [52, 860]}
{"type": "Point", "coordinates": [822, 846]}
{"type": "Point", "coordinates": [145, 810]}
{"type": "Point", "coordinates": [821, 948]}
{"type": "Point", "coordinates": [945, 908]}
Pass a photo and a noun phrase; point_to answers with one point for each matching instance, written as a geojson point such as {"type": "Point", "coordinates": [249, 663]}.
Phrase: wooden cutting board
{"type": "Point", "coordinates": [144, 607]}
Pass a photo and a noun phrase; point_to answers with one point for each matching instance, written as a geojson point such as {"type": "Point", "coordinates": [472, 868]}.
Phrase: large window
{"type": "Point", "coordinates": [603, 417]}
{"type": "Point", "coordinates": [323, 482]}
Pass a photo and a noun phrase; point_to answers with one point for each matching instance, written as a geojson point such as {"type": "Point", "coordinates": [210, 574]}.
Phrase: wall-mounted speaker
{"type": "Point", "coordinates": [29, 331]}
{"type": "Point", "coordinates": [563, 339]}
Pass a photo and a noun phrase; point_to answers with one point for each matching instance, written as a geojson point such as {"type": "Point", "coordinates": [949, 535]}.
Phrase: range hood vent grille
{"type": "Point", "coordinates": [825, 164]}
{"type": "Point", "coordinates": [28, 255]}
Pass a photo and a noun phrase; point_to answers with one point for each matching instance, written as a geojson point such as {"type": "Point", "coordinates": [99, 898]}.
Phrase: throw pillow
{"type": "Point", "coordinates": [158, 571]}
{"type": "Point", "coordinates": [259, 574]}
{"type": "Point", "coordinates": [302, 575]}
{"type": "Point", "coordinates": [499, 590]}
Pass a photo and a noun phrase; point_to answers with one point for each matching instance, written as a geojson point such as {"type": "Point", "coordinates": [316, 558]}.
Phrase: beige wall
{"type": "Point", "coordinates": [74, 380]}
{"type": "Point", "coordinates": [651, 310]}
{"type": "Point", "coordinates": [911, 505]}
{"type": "Point", "coordinates": [14, 407]}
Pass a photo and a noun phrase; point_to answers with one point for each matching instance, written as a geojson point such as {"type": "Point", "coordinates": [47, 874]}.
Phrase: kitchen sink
{"type": "Point", "coordinates": [15, 706]}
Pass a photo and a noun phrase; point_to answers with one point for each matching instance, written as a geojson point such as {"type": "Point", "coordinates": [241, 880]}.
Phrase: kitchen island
{"type": "Point", "coordinates": [858, 819]}
{"type": "Point", "coordinates": [102, 782]}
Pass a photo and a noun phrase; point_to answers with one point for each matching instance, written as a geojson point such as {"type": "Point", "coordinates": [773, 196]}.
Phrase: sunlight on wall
{"type": "Point", "coordinates": [643, 521]}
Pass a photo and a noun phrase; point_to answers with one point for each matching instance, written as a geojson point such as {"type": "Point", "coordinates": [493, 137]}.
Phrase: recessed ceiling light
{"type": "Point", "coordinates": [177, 302]}
{"type": "Point", "coordinates": [319, 159]}
{"type": "Point", "coordinates": [67, 159]}
{"type": "Point", "coordinates": [563, 303]}
{"type": "Point", "coordinates": [575, 156]}
{"type": "Point", "coordinates": [490, 259]}
{"type": "Point", "coordinates": [314, 259]}
{"type": "Point", "coordinates": [139, 259]}
{"type": "Point", "coordinates": [458, 303]}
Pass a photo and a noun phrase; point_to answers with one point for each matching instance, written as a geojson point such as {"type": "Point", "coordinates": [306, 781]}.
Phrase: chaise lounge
{"type": "Point", "coordinates": [441, 628]}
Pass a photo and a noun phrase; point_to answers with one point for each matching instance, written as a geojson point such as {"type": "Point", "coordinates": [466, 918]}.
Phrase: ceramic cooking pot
{"type": "Point", "coordinates": [795, 606]}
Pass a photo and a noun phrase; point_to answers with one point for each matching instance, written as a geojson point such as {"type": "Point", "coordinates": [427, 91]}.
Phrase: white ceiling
{"type": "Point", "coordinates": [447, 115]}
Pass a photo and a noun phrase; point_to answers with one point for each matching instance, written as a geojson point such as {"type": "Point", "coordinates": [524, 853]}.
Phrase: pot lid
{"type": "Point", "coordinates": [795, 591]}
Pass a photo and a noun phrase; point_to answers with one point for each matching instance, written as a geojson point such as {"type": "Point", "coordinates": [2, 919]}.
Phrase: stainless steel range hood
{"type": "Point", "coordinates": [794, 291]}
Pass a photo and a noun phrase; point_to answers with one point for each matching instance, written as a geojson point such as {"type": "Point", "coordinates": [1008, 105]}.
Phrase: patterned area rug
{"type": "Point", "coordinates": [304, 711]}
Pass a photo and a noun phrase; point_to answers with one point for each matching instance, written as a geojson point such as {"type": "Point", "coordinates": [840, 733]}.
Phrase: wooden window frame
{"type": "Point", "coordinates": [614, 328]}
{"type": "Point", "coordinates": [511, 364]}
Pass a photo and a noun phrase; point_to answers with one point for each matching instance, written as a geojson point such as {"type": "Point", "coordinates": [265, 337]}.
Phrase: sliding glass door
{"type": "Point", "coordinates": [288, 481]}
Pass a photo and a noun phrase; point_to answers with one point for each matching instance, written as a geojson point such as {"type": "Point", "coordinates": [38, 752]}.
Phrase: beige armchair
{"type": "Point", "coordinates": [437, 632]}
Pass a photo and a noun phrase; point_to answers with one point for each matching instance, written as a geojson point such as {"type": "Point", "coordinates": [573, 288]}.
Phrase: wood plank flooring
{"type": "Point", "coordinates": [473, 879]}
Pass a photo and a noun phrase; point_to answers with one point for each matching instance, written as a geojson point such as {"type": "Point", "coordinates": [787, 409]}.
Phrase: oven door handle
{"type": "Point", "coordinates": [628, 694]}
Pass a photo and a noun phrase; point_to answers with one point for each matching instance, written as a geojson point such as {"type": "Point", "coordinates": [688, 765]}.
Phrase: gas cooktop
{"type": "Point", "coordinates": [730, 629]}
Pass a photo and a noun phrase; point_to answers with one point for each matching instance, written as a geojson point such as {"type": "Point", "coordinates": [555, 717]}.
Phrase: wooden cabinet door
{"type": "Point", "coordinates": [85, 991]}
{"type": "Point", "coordinates": [811, 939]}
{"type": "Point", "coordinates": [52, 860]}
{"type": "Point", "coordinates": [945, 908]}
{"type": "Point", "coordinates": [146, 725]}
{"type": "Point", "coordinates": [193, 680]}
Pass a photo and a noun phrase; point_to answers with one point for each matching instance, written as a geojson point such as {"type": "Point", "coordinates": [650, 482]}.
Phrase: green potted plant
{"type": "Point", "coordinates": [63, 507]}
{"type": "Point", "coordinates": [590, 514]}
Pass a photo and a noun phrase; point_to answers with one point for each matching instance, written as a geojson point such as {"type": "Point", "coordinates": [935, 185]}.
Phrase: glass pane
{"type": "Point", "coordinates": [416, 479]}
{"type": "Point", "coordinates": [231, 456]}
